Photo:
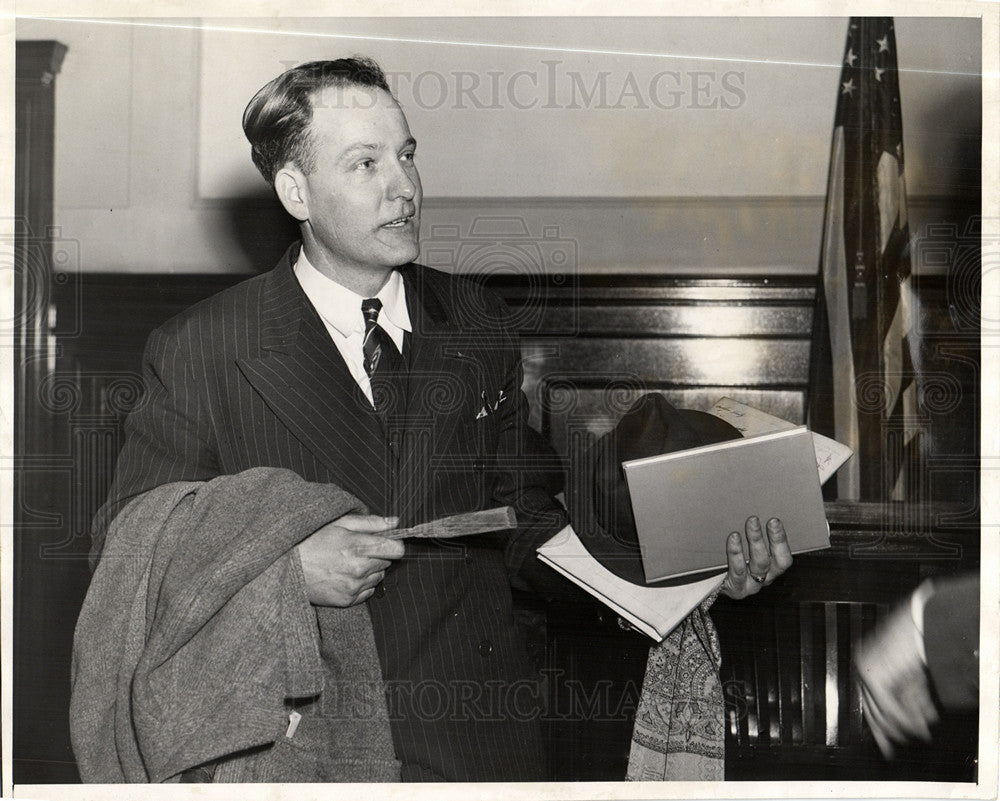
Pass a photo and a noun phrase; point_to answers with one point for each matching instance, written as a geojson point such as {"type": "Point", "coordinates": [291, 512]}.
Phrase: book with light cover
{"type": "Point", "coordinates": [686, 502]}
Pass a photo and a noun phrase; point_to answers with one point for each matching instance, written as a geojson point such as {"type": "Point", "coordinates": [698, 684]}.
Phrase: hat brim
{"type": "Point", "coordinates": [651, 427]}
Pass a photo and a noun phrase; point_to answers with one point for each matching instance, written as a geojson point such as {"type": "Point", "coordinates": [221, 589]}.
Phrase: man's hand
{"type": "Point", "coordinates": [343, 561]}
{"type": "Point", "coordinates": [767, 558]}
{"type": "Point", "coordinates": [895, 691]}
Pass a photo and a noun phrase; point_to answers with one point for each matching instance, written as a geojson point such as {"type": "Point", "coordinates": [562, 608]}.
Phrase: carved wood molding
{"type": "Point", "coordinates": [38, 63]}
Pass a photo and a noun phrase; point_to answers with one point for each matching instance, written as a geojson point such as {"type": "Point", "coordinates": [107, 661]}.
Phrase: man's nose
{"type": "Point", "coordinates": [402, 183]}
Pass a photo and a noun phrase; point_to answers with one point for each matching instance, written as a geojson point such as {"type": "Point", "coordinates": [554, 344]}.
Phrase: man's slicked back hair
{"type": "Point", "coordinates": [276, 120]}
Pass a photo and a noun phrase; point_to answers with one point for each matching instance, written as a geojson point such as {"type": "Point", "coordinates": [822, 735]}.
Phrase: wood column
{"type": "Point", "coordinates": [41, 589]}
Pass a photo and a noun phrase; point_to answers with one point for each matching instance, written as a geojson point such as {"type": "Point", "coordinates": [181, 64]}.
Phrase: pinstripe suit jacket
{"type": "Point", "coordinates": [250, 378]}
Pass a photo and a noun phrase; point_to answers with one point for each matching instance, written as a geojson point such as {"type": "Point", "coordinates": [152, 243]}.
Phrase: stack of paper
{"type": "Point", "coordinates": [751, 422]}
{"type": "Point", "coordinates": [652, 610]}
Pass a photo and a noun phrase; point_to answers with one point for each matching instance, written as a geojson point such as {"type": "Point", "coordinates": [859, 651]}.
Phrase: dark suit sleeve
{"type": "Point", "coordinates": [951, 641]}
{"type": "Point", "coordinates": [168, 435]}
{"type": "Point", "coordinates": [528, 476]}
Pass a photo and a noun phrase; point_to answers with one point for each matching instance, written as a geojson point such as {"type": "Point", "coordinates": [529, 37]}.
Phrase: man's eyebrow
{"type": "Point", "coordinates": [371, 146]}
{"type": "Point", "coordinates": [358, 147]}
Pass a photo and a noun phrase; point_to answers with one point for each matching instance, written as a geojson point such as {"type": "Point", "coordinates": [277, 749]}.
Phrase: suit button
{"type": "Point", "coordinates": [485, 648]}
{"type": "Point", "coordinates": [379, 591]}
{"type": "Point", "coordinates": [479, 465]}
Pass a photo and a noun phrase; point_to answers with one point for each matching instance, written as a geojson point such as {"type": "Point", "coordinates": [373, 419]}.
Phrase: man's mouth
{"type": "Point", "coordinates": [399, 222]}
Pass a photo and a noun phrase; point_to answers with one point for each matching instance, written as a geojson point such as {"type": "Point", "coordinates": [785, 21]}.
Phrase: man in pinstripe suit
{"type": "Point", "coordinates": [275, 373]}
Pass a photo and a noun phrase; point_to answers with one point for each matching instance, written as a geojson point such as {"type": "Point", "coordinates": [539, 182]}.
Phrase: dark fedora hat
{"type": "Point", "coordinates": [652, 426]}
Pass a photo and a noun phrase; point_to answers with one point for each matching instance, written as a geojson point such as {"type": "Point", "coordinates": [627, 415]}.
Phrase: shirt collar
{"type": "Point", "coordinates": [341, 307]}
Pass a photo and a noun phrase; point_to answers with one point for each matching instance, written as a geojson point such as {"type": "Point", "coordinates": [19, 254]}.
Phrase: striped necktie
{"type": "Point", "coordinates": [378, 347]}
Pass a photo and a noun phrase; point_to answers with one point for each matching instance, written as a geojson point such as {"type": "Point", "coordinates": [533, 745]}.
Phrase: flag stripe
{"type": "Point", "coordinates": [866, 352]}
{"type": "Point", "coordinates": [835, 289]}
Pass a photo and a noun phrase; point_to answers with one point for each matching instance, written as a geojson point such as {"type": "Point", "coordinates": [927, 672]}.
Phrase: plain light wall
{"type": "Point", "coordinates": [669, 144]}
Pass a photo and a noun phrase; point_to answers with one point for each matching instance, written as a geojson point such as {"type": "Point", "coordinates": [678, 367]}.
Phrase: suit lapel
{"type": "Point", "coordinates": [440, 376]}
{"type": "Point", "coordinates": [302, 377]}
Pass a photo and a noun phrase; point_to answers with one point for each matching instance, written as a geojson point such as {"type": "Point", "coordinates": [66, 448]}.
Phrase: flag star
{"type": "Point", "coordinates": [850, 58]}
{"type": "Point", "coordinates": [883, 44]}
{"type": "Point", "coordinates": [878, 73]}
{"type": "Point", "coordinates": [848, 88]}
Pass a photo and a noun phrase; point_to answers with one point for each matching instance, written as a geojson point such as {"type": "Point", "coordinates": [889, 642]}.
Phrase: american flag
{"type": "Point", "coordinates": [863, 387]}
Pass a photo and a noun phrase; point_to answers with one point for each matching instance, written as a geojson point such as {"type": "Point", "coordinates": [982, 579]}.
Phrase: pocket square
{"type": "Point", "coordinates": [489, 408]}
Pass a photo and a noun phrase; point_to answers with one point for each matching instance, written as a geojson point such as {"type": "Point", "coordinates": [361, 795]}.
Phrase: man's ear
{"type": "Point", "coordinates": [290, 186]}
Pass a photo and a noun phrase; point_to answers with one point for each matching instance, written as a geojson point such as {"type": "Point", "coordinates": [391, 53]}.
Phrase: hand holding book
{"type": "Point", "coordinates": [758, 561]}
{"type": "Point", "coordinates": [668, 484]}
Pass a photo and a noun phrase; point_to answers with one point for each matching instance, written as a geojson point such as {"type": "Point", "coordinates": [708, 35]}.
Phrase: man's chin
{"type": "Point", "coordinates": [404, 254]}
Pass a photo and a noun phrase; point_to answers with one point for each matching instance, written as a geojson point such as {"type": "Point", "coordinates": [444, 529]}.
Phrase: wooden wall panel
{"type": "Point", "coordinates": [585, 341]}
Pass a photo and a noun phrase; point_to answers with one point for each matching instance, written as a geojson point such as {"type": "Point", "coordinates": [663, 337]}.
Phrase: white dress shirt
{"type": "Point", "coordinates": [340, 310]}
